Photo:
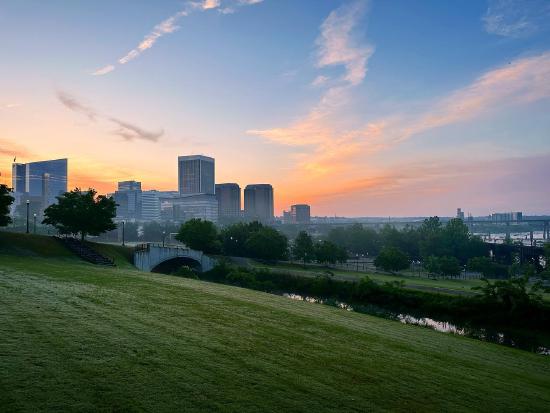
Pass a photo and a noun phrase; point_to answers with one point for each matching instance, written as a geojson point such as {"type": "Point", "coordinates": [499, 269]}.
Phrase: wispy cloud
{"type": "Point", "coordinates": [170, 25]}
{"type": "Point", "coordinates": [336, 46]}
{"type": "Point", "coordinates": [10, 105]}
{"type": "Point", "coordinates": [129, 131]}
{"type": "Point", "coordinates": [126, 130]}
{"type": "Point", "coordinates": [103, 70]}
{"type": "Point", "coordinates": [9, 148]}
{"type": "Point", "coordinates": [74, 104]}
{"type": "Point", "coordinates": [320, 81]}
{"type": "Point", "coordinates": [516, 18]}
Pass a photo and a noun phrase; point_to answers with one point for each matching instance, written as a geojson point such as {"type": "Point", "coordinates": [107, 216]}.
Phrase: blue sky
{"type": "Point", "coordinates": [357, 107]}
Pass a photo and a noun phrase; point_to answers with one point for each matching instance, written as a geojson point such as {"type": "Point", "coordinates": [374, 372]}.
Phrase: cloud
{"type": "Point", "coordinates": [169, 26]}
{"type": "Point", "coordinates": [10, 148]}
{"type": "Point", "coordinates": [75, 105]}
{"type": "Point", "coordinates": [320, 81]}
{"type": "Point", "coordinates": [516, 18]}
{"type": "Point", "coordinates": [129, 131]}
{"type": "Point", "coordinates": [126, 130]}
{"type": "Point", "coordinates": [337, 46]}
{"type": "Point", "coordinates": [103, 70]}
{"type": "Point", "coordinates": [10, 105]}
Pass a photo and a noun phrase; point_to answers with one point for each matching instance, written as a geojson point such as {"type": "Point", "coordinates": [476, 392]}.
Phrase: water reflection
{"type": "Point", "coordinates": [525, 342]}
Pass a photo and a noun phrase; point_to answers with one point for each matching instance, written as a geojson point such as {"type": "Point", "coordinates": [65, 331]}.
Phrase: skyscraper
{"type": "Point", "coordinates": [44, 180]}
{"type": "Point", "coordinates": [300, 214]}
{"type": "Point", "coordinates": [196, 175]}
{"type": "Point", "coordinates": [258, 202]}
{"type": "Point", "coordinates": [129, 200]}
{"type": "Point", "coordinates": [229, 199]}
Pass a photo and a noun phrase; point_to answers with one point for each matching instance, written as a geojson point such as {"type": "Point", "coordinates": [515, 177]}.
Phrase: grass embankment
{"type": "Point", "coordinates": [80, 337]}
{"type": "Point", "coordinates": [445, 286]}
{"type": "Point", "coordinates": [30, 245]}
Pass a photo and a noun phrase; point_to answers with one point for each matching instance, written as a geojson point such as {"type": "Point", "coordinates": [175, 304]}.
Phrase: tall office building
{"type": "Point", "coordinates": [300, 214]}
{"type": "Point", "coordinates": [40, 181]}
{"type": "Point", "coordinates": [229, 200]}
{"type": "Point", "coordinates": [196, 175]}
{"type": "Point", "coordinates": [129, 200]}
{"type": "Point", "coordinates": [150, 205]}
{"type": "Point", "coordinates": [258, 202]}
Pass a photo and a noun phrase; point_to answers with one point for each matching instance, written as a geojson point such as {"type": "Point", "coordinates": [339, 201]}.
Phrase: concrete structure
{"type": "Point", "coordinates": [300, 214]}
{"type": "Point", "coordinates": [258, 202]}
{"type": "Point", "coordinates": [460, 214]}
{"type": "Point", "coordinates": [40, 181]}
{"type": "Point", "coordinates": [196, 175]}
{"type": "Point", "coordinates": [229, 200]}
{"type": "Point", "coordinates": [149, 256]}
{"type": "Point", "coordinates": [185, 207]}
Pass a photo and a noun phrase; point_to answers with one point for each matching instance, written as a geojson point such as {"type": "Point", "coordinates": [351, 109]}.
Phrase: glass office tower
{"type": "Point", "coordinates": [196, 175]}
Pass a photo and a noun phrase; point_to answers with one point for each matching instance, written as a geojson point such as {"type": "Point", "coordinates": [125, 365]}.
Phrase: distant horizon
{"type": "Point", "coordinates": [358, 108]}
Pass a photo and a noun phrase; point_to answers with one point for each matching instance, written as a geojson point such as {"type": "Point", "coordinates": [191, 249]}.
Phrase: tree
{"type": "Point", "coordinates": [267, 244]}
{"type": "Point", "coordinates": [392, 259]}
{"type": "Point", "coordinates": [327, 252]}
{"type": "Point", "coordinates": [81, 212]}
{"type": "Point", "coordinates": [302, 247]}
{"type": "Point", "coordinates": [5, 201]}
{"type": "Point", "coordinates": [234, 237]}
{"type": "Point", "coordinates": [444, 266]}
{"type": "Point", "coordinates": [200, 235]}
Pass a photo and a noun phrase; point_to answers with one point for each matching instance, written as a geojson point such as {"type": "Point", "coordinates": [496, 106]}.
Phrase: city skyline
{"type": "Point", "coordinates": [367, 110]}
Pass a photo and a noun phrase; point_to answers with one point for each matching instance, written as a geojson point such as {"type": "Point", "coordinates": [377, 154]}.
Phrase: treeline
{"type": "Point", "coordinates": [443, 250]}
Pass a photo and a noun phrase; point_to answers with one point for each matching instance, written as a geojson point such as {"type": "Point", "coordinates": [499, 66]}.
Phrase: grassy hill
{"type": "Point", "coordinates": [79, 337]}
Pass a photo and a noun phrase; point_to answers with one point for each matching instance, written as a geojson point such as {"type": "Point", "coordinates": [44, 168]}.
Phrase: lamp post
{"type": "Point", "coordinates": [123, 225]}
{"type": "Point", "coordinates": [28, 205]}
{"type": "Point", "coordinates": [163, 236]}
{"type": "Point", "coordinates": [34, 223]}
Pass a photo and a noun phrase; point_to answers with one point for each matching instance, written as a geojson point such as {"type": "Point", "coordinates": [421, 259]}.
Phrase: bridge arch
{"type": "Point", "coordinates": [147, 257]}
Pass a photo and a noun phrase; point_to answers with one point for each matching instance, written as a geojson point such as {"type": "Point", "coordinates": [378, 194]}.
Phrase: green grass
{"type": "Point", "coordinates": [78, 337]}
{"type": "Point", "coordinates": [30, 245]}
{"type": "Point", "coordinates": [450, 286]}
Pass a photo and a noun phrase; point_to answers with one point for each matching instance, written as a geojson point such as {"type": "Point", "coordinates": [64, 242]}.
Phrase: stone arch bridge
{"type": "Point", "coordinates": [149, 256]}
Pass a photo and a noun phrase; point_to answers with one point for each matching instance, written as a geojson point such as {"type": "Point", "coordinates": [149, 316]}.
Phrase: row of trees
{"type": "Point", "coordinates": [256, 240]}
{"type": "Point", "coordinates": [432, 238]}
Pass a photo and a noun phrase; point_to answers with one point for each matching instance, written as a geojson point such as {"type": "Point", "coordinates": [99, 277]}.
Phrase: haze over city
{"type": "Point", "coordinates": [357, 108]}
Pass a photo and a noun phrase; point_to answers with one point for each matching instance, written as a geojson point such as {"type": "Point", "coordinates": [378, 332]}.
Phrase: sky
{"type": "Point", "coordinates": [357, 107]}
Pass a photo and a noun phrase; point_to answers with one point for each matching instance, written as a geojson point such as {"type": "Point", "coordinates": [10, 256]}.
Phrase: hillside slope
{"type": "Point", "coordinates": [78, 337]}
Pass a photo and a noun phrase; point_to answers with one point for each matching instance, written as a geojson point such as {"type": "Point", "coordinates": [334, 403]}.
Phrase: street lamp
{"type": "Point", "coordinates": [34, 223]}
{"type": "Point", "coordinates": [163, 236]}
{"type": "Point", "coordinates": [28, 205]}
{"type": "Point", "coordinates": [123, 224]}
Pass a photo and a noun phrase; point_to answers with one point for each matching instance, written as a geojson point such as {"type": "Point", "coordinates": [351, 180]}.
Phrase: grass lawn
{"type": "Point", "coordinates": [79, 337]}
{"type": "Point", "coordinates": [451, 286]}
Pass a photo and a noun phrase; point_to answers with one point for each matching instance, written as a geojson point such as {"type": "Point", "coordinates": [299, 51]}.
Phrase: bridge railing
{"type": "Point", "coordinates": [147, 245]}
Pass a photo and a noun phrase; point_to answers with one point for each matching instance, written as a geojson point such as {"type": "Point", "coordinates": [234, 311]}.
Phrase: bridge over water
{"type": "Point", "coordinates": [147, 257]}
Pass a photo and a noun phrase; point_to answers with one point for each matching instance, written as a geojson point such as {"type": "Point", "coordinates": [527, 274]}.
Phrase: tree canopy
{"type": "Point", "coordinates": [302, 247]}
{"type": "Point", "coordinates": [200, 235]}
{"type": "Point", "coordinates": [81, 212]}
{"type": "Point", "coordinates": [392, 259]}
{"type": "Point", "coordinates": [5, 201]}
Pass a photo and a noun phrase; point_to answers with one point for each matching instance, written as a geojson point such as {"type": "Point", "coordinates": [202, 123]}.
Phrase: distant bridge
{"type": "Point", "coordinates": [147, 257]}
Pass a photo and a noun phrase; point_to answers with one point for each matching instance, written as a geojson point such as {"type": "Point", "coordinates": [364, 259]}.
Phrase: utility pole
{"type": "Point", "coordinates": [123, 230]}
{"type": "Point", "coordinates": [28, 205]}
